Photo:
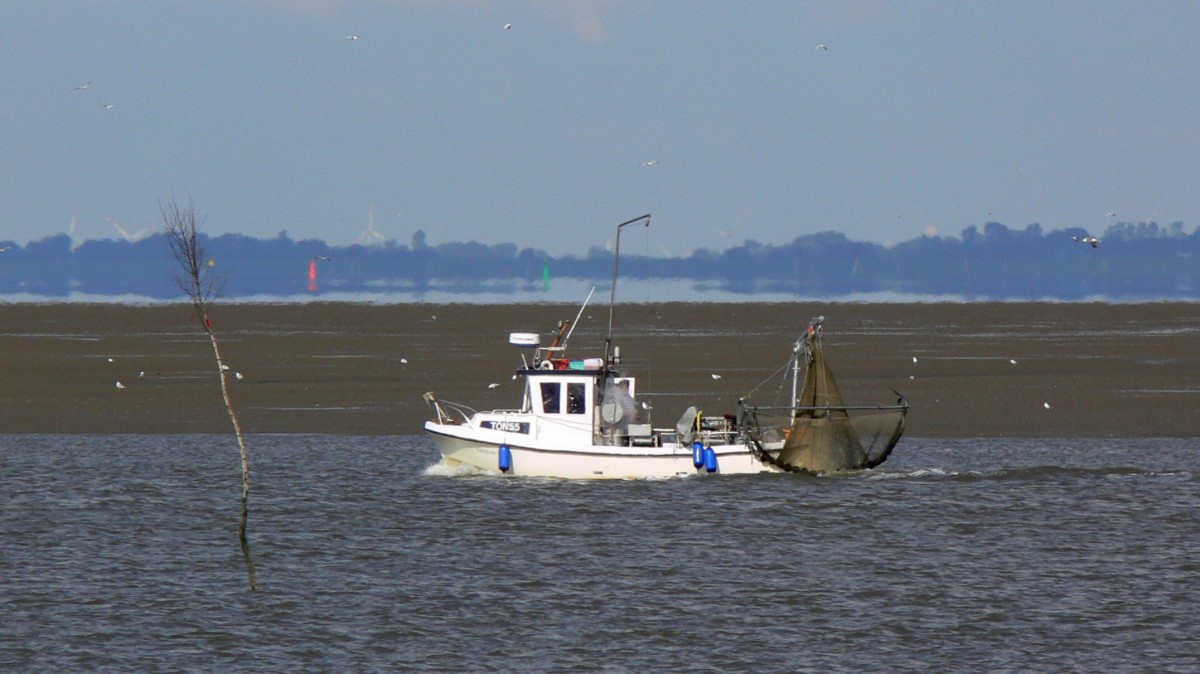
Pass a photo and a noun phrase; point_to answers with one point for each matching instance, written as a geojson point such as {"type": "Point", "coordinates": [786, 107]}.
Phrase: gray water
{"type": "Point", "coordinates": [120, 553]}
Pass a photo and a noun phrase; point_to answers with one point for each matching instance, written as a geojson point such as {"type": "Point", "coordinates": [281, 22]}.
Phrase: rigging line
{"type": "Point", "coordinates": [646, 292]}
{"type": "Point", "coordinates": [769, 378]}
{"type": "Point", "coordinates": [646, 256]}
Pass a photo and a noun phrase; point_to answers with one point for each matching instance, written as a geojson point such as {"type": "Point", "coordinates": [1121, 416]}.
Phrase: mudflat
{"type": "Point", "coordinates": [968, 370]}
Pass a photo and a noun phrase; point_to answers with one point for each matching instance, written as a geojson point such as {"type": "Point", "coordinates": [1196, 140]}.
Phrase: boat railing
{"type": "Point", "coordinates": [772, 421]}
{"type": "Point", "coordinates": [826, 408]}
{"type": "Point", "coordinates": [444, 408]}
{"type": "Point", "coordinates": [668, 436]}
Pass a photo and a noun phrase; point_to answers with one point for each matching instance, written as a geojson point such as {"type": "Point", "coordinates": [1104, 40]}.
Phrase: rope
{"type": "Point", "coordinates": [769, 378]}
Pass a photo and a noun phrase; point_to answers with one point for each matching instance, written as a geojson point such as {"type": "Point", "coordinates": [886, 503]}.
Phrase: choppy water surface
{"type": "Point", "coordinates": [120, 553]}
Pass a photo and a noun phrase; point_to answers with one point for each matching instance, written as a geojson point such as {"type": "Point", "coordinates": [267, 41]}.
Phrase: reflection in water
{"type": "Point", "coordinates": [246, 547]}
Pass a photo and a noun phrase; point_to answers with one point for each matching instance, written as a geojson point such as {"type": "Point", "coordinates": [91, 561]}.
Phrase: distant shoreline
{"type": "Point", "coordinates": [630, 292]}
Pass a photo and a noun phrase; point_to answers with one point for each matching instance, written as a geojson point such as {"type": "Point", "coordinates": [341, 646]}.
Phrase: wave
{"type": "Point", "coordinates": [1030, 473]}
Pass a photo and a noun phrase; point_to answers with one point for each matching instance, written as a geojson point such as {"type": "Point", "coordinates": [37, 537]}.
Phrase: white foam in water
{"type": "Point", "coordinates": [922, 472]}
{"type": "Point", "coordinates": [445, 468]}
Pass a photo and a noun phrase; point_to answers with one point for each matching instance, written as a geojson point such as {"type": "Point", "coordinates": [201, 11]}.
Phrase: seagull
{"type": "Point", "coordinates": [508, 26]}
{"type": "Point", "coordinates": [716, 376]}
{"type": "Point", "coordinates": [238, 375]}
{"type": "Point", "coordinates": [224, 367]}
{"type": "Point", "coordinates": [1046, 405]}
{"type": "Point", "coordinates": [323, 258]}
{"type": "Point", "coordinates": [142, 374]}
{"type": "Point", "coordinates": [120, 386]}
{"type": "Point", "coordinates": [821, 47]}
{"type": "Point", "coordinates": [1087, 239]}
{"type": "Point", "coordinates": [351, 37]}
{"type": "Point", "coordinates": [652, 162]}
{"type": "Point", "coordinates": [107, 106]}
{"type": "Point", "coordinates": [1111, 214]}
{"type": "Point", "coordinates": [85, 85]}
{"type": "Point", "coordinates": [5, 249]}
{"type": "Point", "coordinates": [110, 359]}
{"type": "Point", "coordinates": [404, 361]}
{"type": "Point", "coordinates": [493, 385]}
{"type": "Point", "coordinates": [914, 359]}
{"type": "Point", "coordinates": [1013, 361]}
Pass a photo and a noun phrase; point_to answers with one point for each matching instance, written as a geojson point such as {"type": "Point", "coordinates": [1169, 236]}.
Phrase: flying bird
{"type": "Point", "coordinates": [107, 106]}
{"type": "Point", "coordinates": [652, 162]}
{"type": "Point", "coordinates": [1091, 240]}
{"type": "Point", "coordinates": [1111, 214]}
{"type": "Point", "coordinates": [716, 376]}
{"type": "Point", "coordinates": [351, 37]}
{"type": "Point", "coordinates": [493, 385]}
{"type": "Point", "coordinates": [508, 26]}
{"type": "Point", "coordinates": [323, 258]}
{"type": "Point", "coordinates": [85, 85]}
{"type": "Point", "coordinates": [821, 47]}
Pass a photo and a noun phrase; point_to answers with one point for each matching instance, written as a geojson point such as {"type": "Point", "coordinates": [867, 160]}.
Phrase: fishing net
{"type": "Point", "coordinates": [826, 435]}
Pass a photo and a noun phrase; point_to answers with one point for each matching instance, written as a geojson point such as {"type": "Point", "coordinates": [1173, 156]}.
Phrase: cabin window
{"type": "Point", "coordinates": [575, 397]}
{"type": "Point", "coordinates": [550, 397]}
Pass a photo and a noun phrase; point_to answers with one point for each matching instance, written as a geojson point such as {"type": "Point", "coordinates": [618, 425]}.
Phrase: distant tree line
{"type": "Point", "coordinates": [1133, 261]}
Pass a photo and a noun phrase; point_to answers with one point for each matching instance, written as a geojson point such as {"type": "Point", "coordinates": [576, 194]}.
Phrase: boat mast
{"type": "Point", "coordinates": [612, 296]}
{"type": "Point", "coordinates": [796, 370]}
{"type": "Point", "coordinates": [804, 347]}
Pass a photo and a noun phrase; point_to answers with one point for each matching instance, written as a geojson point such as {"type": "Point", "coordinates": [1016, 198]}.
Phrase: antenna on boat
{"type": "Point", "coordinates": [577, 316]}
{"type": "Point", "coordinates": [616, 258]}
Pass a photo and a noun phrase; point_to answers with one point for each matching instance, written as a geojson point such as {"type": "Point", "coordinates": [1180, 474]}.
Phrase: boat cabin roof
{"type": "Point", "coordinates": [566, 373]}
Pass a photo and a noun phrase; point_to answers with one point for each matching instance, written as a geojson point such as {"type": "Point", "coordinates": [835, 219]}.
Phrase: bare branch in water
{"type": "Point", "coordinates": [197, 278]}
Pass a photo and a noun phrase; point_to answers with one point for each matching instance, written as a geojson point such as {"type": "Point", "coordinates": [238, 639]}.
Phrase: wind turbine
{"type": "Point", "coordinates": [371, 236]}
{"type": "Point", "coordinates": [134, 237]}
{"type": "Point", "coordinates": [75, 242]}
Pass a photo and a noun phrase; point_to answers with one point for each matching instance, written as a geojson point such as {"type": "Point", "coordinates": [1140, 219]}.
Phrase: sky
{"type": "Point", "coordinates": [545, 123]}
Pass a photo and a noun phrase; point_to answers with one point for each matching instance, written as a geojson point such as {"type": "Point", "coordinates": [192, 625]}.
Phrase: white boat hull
{"type": "Point", "coordinates": [588, 461]}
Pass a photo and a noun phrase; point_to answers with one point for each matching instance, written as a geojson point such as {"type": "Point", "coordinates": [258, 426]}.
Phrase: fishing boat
{"type": "Point", "coordinates": [581, 418]}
